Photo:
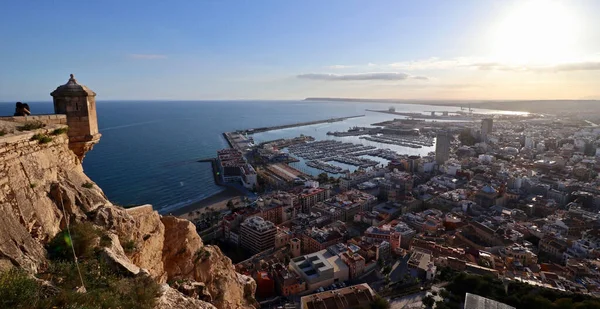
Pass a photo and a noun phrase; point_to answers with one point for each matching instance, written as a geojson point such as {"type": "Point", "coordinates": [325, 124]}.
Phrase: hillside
{"type": "Point", "coordinates": [44, 189]}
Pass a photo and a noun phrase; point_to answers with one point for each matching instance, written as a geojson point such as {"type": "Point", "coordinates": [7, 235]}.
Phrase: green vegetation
{"type": "Point", "coordinates": [87, 185]}
{"type": "Point", "coordinates": [519, 295]}
{"type": "Point", "coordinates": [31, 125]}
{"type": "Point", "coordinates": [84, 237]}
{"type": "Point", "coordinates": [428, 301]}
{"type": "Point", "coordinates": [17, 289]}
{"type": "Point", "coordinates": [386, 269]}
{"type": "Point", "coordinates": [323, 178]}
{"type": "Point", "coordinates": [230, 205]}
{"type": "Point", "coordinates": [129, 246]}
{"type": "Point", "coordinates": [380, 303]}
{"type": "Point", "coordinates": [201, 255]}
{"type": "Point", "coordinates": [41, 138]}
{"type": "Point", "coordinates": [105, 288]}
{"type": "Point", "coordinates": [60, 131]}
{"type": "Point", "coordinates": [32, 185]}
{"type": "Point", "coordinates": [2, 132]}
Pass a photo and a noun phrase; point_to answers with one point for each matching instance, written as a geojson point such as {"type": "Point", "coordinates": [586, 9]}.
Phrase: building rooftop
{"type": "Point", "coordinates": [473, 301]}
{"type": "Point", "coordinates": [72, 88]}
{"type": "Point", "coordinates": [258, 224]}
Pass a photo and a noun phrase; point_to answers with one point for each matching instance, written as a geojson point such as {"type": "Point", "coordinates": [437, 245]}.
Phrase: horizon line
{"type": "Point", "coordinates": [315, 99]}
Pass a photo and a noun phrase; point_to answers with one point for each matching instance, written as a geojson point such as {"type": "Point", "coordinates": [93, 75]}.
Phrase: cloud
{"type": "Point", "coordinates": [338, 66]}
{"type": "Point", "coordinates": [561, 67]}
{"type": "Point", "coordinates": [147, 56]}
{"type": "Point", "coordinates": [432, 63]}
{"type": "Point", "coordinates": [389, 76]}
{"type": "Point", "coordinates": [485, 64]}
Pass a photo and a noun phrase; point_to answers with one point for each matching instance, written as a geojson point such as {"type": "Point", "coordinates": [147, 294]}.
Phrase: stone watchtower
{"type": "Point", "coordinates": [78, 102]}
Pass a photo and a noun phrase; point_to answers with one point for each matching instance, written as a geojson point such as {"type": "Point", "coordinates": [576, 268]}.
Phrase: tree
{"type": "Point", "coordinates": [428, 301]}
{"type": "Point", "coordinates": [380, 303]}
{"type": "Point", "coordinates": [230, 205]}
{"type": "Point", "coordinates": [323, 177]}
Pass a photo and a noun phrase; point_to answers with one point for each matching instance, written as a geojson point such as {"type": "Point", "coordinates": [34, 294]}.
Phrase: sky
{"type": "Point", "coordinates": [274, 49]}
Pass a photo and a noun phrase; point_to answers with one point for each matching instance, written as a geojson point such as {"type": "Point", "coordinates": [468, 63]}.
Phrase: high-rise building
{"type": "Point", "coordinates": [257, 234]}
{"type": "Point", "coordinates": [442, 147]}
{"type": "Point", "coordinates": [486, 128]}
{"type": "Point", "coordinates": [529, 142]}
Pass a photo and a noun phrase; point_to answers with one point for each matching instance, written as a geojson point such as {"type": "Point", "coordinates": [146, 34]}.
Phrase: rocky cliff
{"type": "Point", "coordinates": [43, 186]}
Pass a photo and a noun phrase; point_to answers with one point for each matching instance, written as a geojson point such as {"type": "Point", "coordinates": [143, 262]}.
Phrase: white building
{"type": "Point", "coordinates": [320, 269]}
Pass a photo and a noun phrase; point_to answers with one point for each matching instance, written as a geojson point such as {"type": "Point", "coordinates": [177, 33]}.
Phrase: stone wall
{"type": "Point", "coordinates": [46, 119]}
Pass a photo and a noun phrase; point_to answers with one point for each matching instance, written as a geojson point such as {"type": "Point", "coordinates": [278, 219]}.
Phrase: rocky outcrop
{"type": "Point", "coordinates": [172, 299]}
{"type": "Point", "coordinates": [185, 257]}
{"type": "Point", "coordinates": [42, 187]}
{"type": "Point", "coordinates": [36, 181]}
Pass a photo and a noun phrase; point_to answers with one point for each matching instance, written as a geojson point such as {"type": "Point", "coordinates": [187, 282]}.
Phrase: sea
{"type": "Point", "coordinates": [149, 150]}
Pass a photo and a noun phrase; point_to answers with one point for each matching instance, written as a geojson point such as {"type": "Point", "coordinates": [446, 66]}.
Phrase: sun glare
{"type": "Point", "coordinates": [537, 32]}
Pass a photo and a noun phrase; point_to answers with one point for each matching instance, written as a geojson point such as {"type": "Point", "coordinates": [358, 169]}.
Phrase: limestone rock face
{"type": "Point", "coordinates": [42, 187]}
{"type": "Point", "coordinates": [141, 226]}
{"type": "Point", "coordinates": [185, 257]}
{"type": "Point", "coordinates": [172, 299]}
{"type": "Point", "coordinates": [36, 181]}
{"type": "Point", "coordinates": [115, 257]}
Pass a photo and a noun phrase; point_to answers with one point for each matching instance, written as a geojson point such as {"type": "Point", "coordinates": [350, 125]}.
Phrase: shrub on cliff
{"type": "Point", "coordinates": [60, 131]}
{"type": "Point", "coordinates": [31, 125]}
{"type": "Point", "coordinates": [104, 288]}
{"type": "Point", "coordinates": [87, 185]}
{"type": "Point", "coordinates": [41, 138]}
{"type": "Point", "coordinates": [18, 289]}
{"type": "Point", "coordinates": [85, 238]}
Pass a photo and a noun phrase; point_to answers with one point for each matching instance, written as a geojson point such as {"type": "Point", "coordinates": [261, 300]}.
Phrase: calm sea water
{"type": "Point", "coordinates": [148, 150]}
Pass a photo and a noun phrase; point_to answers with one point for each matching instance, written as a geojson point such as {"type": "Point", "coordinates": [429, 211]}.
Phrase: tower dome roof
{"type": "Point", "coordinates": [72, 88]}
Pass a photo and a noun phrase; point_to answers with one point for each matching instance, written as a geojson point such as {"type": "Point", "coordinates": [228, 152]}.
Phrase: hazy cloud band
{"type": "Point", "coordinates": [389, 76]}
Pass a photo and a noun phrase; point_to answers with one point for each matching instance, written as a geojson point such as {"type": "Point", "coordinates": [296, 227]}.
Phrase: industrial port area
{"type": "Point", "coordinates": [324, 155]}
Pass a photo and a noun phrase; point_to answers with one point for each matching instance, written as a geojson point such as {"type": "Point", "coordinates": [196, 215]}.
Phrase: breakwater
{"type": "Point", "coordinates": [299, 124]}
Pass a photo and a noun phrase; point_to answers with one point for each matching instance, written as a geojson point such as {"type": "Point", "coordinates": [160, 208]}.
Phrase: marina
{"type": "Point", "coordinates": [324, 166]}
{"type": "Point", "coordinates": [320, 152]}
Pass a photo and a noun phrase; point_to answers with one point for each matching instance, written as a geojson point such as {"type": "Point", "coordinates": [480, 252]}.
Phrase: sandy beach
{"type": "Point", "coordinates": [215, 202]}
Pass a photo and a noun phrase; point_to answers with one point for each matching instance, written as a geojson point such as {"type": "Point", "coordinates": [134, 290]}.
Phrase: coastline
{"type": "Point", "coordinates": [218, 198]}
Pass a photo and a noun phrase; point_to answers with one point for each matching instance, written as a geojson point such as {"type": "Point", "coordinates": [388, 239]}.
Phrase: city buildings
{"type": "Point", "coordinates": [351, 202]}
{"type": "Point", "coordinates": [481, 210]}
{"type": "Point", "coordinates": [421, 265]}
{"type": "Point", "coordinates": [257, 234]}
{"type": "Point", "coordinates": [316, 239]}
{"type": "Point", "coordinates": [310, 196]}
{"type": "Point", "coordinates": [233, 167]}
